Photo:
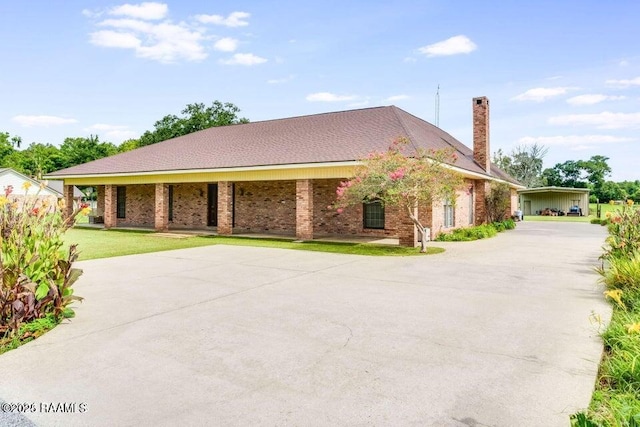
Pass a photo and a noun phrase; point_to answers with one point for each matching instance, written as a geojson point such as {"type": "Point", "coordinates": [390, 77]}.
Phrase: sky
{"type": "Point", "coordinates": [562, 73]}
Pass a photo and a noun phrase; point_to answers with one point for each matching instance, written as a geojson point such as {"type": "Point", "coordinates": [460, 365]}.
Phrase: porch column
{"type": "Point", "coordinates": [481, 190]}
{"type": "Point", "coordinates": [225, 207]}
{"type": "Point", "coordinates": [100, 201]}
{"type": "Point", "coordinates": [162, 207]}
{"type": "Point", "coordinates": [68, 200]}
{"type": "Point", "coordinates": [304, 209]}
{"type": "Point", "coordinates": [110, 205]}
{"type": "Point", "coordinates": [407, 233]}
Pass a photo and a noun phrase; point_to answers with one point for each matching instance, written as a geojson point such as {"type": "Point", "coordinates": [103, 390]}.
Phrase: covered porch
{"type": "Point", "coordinates": [295, 209]}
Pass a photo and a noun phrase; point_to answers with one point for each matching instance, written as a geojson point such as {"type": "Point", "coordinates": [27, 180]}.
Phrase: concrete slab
{"type": "Point", "coordinates": [492, 332]}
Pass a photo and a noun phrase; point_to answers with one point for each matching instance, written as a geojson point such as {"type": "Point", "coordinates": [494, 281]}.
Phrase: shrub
{"type": "Point", "coordinates": [624, 232]}
{"type": "Point", "coordinates": [498, 202]}
{"type": "Point", "coordinates": [36, 277]}
{"type": "Point", "coordinates": [596, 221]}
{"type": "Point", "coordinates": [469, 233]}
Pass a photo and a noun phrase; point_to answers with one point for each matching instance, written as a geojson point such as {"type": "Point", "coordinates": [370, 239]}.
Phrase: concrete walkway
{"type": "Point", "coordinates": [490, 333]}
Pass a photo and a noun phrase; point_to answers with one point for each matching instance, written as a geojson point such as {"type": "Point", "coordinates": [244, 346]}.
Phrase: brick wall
{"type": "Point", "coordinates": [189, 206]}
{"type": "Point", "coordinates": [461, 213]}
{"type": "Point", "coordinates": [140, 206]}
{"type": "Point", "coordinates": [327, 221]}
{"type": "Point", "coordinates": [268, 206]}
{"type": "Point", "coordinates": [514, 202]}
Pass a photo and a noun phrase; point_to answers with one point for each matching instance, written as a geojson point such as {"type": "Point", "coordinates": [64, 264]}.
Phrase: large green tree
{"type": "Point", "coordinates": [590, 173]}
{"type": "Point", "coordinates": [194, 117]}
{"type": "Point", "coordinates": [524, 163]}
{"type": "Point", "coordinates": [75, 151]}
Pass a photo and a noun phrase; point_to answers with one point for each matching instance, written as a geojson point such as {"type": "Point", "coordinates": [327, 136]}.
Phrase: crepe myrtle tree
{"type": "Point", "coordinates": [404, 176]}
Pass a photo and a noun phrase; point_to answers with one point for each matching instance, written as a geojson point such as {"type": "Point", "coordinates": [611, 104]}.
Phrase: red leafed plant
{"type": "Point", "coordinates": [36, 274]}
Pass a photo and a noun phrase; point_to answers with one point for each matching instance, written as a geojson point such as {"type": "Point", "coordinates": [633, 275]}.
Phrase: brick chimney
{"type": "Point", "coordinates": [481, 153]}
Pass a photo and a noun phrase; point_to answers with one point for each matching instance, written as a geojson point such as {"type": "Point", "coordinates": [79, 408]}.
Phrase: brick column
{"type": "Point", "coordinates": [161, 220]}
{"type": "Point", "coordinates": [407, 233]}
{"type": "Point", "coordinates": [225, 207]}
{"type": "Point", "coordinates": [110, 206]}
{"type": "Point", "coordinates": [68, 200]}
{"type": "Point", "coordinates": [304, 209]}
{"type": "Point", "coordinates": [481, 190]}
{"type": "Point", "coordinates": [100, 200]}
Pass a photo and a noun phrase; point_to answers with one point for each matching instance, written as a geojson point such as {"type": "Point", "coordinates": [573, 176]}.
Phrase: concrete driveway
{"type": "Point", "coordinates": [490, 333]}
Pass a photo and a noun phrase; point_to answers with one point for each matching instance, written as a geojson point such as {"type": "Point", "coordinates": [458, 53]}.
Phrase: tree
{"type": "Point", "coordinates": [611, 191]}
{"type": "Point", "coordinates": [397, 179]}
{"type": "Point", "coordinates": [524, 163]}
{"type": "Point", "coordinates": [40, 159]}
{"type": "Point", "coordinates": [195, 117]}
{"type": "Point", "coordinates": [597, 169]}
{"type": "Point", "coordinates": [497, 202]}
{"type": "Point", "coordinates": [568, 174]}
{"type": "Point", "coordinates": [75, 151]}
{"type": "Point", "coordinates": [8, 145]}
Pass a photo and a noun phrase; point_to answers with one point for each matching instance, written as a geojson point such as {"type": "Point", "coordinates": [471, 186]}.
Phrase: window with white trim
{"type": "Point", "coordinates": [449, 214]}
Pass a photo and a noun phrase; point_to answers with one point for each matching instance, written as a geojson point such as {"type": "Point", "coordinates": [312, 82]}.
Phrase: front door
{"type": "Point", "coordinates": [527, 207]}
{"type": "Point", "coordinates": [212, 205]}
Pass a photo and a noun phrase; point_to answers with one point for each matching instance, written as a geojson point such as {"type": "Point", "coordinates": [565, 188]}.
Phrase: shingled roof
{"type": "Point", "coordinates": [319, 138]}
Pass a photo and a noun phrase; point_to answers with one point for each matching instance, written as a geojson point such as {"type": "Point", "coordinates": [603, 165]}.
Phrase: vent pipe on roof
{"type": "Point", "coordinates": [481, 150]}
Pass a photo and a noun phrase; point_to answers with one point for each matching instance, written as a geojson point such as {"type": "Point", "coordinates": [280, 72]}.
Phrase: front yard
{"type": "Point", "coordinates": [94, 244]}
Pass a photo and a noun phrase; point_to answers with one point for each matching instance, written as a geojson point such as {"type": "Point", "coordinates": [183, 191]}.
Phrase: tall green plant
{"type": "Point", "coordinates": [36, 276]}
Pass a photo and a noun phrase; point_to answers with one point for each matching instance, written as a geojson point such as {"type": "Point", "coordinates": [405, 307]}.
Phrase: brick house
{"type": "Point", "coordinates": [279, 176]}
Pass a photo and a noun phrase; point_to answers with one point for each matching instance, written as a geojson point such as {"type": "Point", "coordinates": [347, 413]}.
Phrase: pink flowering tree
{"type": "Point", "coordinates": [403, 176]}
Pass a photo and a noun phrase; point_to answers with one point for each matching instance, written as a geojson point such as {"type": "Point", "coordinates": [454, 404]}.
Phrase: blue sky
{"type": "Point", "coordinates": [565, 74]}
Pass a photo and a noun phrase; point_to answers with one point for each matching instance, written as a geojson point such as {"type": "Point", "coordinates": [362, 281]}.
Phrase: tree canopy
{"type": "Point", "coordinates": [38, 159]}
{"type": "Point", "coordinates": [524, 163]}
{"type": "Point", "coordinates": [397, 179]}
{"type": "Point", "coordinates": [194, 117]}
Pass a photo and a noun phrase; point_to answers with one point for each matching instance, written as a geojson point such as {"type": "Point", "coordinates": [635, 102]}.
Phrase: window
{"type": "Point", "coordinates": [373, 213]}
{"type": "Point", "coordinates": [171, 203]}
{"type": "Point", "coordinates": [449, 219]}
{"type": "Point", "coordinates": [121, 202]}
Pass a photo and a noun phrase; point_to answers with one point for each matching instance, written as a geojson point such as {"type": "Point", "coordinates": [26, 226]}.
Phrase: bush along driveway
{"type": "Point", "coordinates": [491, 332]}
{"type": "Point", "coordinates": [616, 400]}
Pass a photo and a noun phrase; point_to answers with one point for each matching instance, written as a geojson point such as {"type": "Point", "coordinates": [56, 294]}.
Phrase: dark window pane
{"type": "Point", "coordinates": [373, 215]}
{"type": "Point", "coordinates": [121, 197]}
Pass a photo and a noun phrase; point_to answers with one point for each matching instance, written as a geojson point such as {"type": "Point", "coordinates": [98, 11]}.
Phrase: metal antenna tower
{"type": "Point", "coordinates": [437, 120]}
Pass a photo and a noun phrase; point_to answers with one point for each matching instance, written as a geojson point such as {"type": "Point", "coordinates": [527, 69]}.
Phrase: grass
{"type": "Point", "coordinates": [94, 244]}
{"type": "Point", "coordinates": [28, 332]}
{"type": "Point", "coordinates": [592, 214]}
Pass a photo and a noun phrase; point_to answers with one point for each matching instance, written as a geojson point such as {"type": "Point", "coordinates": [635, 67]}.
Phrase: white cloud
{"type": "Point", "coordinates": [115, 39]}
{"type": "Point", "coordinates": [243, 59]}
{"type": "Point", "coordinates": [113, 133]}
{"type": "Point", "coordinates": [540, 94]}
{"type": "Point", "coordinates": [592, 98]}
{"type": "Point", "coordinates": [226, 44]}
{"type": "Point", "coordinates": [31, 121]}
{"type": "Point", "coordinates": [164, 42]}
{"type": "Point", "coordinates": [604, 120]}
{"type": "Point", "coordinates": [395, 98]}
{"type": "Point", "coordinates": [146, 30]}
{"type": "Point", "coordinates": [146, 10]}
{"type": "Point", "coordinates": [235, 19]}
{"type": "Point", "coordinates": [282, 80]}
{"type": "Point", "coordinates": [575, 142]}
{"type": "Point", "coordinates": [624, 83]}
{"type": "Point", "coordinates": [328, 97]}
{"type": "Point", "coordinates": [623, 63]}
{"type": "Point", "coordinates": [452, 46]}
{"type": "Point", "coordinates": [409, 60]}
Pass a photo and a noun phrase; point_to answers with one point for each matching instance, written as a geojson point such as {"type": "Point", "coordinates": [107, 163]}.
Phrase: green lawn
{"type": "Point", "coordinates": [96, 243]}
{"type": "Point", "coordinates": [592, 214]}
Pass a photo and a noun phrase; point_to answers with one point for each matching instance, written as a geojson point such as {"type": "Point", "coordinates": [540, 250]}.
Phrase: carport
{"type": "Point", "coordinates": [535, 200]}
